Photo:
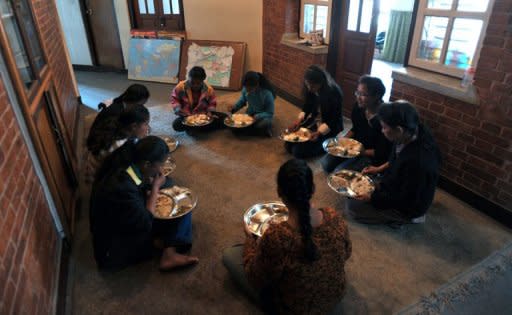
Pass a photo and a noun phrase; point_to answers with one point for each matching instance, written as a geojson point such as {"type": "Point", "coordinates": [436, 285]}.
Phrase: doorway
{"type": "Point", "coordinates": [393, 28]}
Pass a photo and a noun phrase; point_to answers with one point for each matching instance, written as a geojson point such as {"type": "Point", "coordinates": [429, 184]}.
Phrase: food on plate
{"type": "Point", "coordinates": [361, 185]}
{"type": "Point", "coordinates": [240, 120]}
{"type": "Point", "coordinates": [300, 135]}
{"type": "Point", "coordinates": [345, 147]}
{"type": "Point", "coordinates": [164, 205]}
{"type": "Point", "coordinates": [198, 119]}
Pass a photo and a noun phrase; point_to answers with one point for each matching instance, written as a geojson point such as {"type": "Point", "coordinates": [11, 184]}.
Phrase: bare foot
{"type": "Point", "coordinates": [171, 259]}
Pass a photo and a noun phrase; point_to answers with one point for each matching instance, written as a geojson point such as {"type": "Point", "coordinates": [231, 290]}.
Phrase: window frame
{"type": "Point", "coordinates": [451, 14]}
{"type": "Point", "coordinates": [316, 3]}
{"type": "Point", "coordinates": [136, 17]}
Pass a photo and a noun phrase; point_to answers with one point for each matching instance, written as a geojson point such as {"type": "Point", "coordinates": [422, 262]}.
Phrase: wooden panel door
{"type": "Point", "coordinates": [104, 33]}
{"type": "Point", "coordinates": [55, 159]}
{"type": "Point", "coordinates": [353, 52]}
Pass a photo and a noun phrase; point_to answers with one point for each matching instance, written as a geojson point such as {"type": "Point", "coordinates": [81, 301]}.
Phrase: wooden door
{"type": "Point", "coordinates": [57, 163]}
{"type": "Point", "coordinates": [104, 33]}
{"type": "Point", "coordinates": [353, 53]}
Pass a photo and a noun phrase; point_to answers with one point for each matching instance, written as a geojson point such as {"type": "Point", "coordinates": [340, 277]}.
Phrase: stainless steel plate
{"type": "Point", "coordinates": [301, 135]}
{"type": "Point", "coordinates": [171, 142]}
{"type": "Point", "coordinates": [183, 201]}
{"type": "Point", "coordinates": [197, 120]}
{"type": "Point", "coordinates": [343, 147]}
{"type": "Point", "coordinates": [350, 183]}
{"type": "Point", "coordinates": [258, 217]}
{"type": "Point", "coordinates": [239, 121]}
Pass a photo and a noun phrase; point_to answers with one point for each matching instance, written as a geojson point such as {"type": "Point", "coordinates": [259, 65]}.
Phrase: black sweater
{"type": "Point", "coordinates": [328, 104]}
{"type": "Point", "coordinates": [119, 221]}
{"type": "Point", "coordinates": [369, 133]}
{"type": "Point", "coordinates": [409, 183]}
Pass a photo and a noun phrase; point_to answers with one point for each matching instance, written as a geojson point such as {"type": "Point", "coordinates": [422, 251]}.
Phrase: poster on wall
{"type": "Point", "coordinates": [222, 61]}
{"type": "Point", "coordinates": [154, 60]}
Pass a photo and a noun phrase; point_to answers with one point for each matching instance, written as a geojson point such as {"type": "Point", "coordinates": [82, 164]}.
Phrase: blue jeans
{"type": "Point", "coordinates": [175, 233]}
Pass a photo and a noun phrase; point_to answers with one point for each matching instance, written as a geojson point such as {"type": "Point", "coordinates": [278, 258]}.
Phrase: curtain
{"type": "Point", "coordinates": [397, 35]}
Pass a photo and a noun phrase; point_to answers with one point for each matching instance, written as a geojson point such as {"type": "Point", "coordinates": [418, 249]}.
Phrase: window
{"type": "Point", "coordinates": [157, 15]}
{"type": "Point", "coordinates": [448, 35]}
{"type": "Point", "coordinates": [19, 26]}
{"type": "Point", "coordinates": [316, 15]}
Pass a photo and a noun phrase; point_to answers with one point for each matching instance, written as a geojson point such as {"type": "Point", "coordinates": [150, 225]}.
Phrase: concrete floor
{"type": "Point", "coordinates": [389, 269]}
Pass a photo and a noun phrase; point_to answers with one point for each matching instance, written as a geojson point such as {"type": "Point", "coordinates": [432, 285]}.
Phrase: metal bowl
{"type": "Point", "coordinates": [197, 120]}
{"type": "Point", "coordinates": [169, 166]}
{"type": "Point", "coordinates": [234, 121]}
{"type": "Point", "coordinates": [171, 142]}
{"type": "Point", "coordinates": [342, 147]}
{"type": "Point", "coordinates": [350, 183]}
{"type": "Point", "coordinates": [258, 217]}
{"type": "Point", "coordinates": [183, 201]}
{"type": "Point", "coordinates": [301, 135]}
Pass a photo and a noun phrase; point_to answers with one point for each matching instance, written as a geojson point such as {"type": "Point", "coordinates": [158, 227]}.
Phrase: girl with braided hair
{"type": "Point", "coordinates": [297, 266]}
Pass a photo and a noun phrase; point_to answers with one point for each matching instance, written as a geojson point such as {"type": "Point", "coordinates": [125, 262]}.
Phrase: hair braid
{"type": "Point", "coordinates": [295, 181]}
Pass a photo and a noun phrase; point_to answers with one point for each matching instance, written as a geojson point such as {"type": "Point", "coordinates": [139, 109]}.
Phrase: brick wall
{"type": "Point", "coordinates": [28, 252]}
{"type": "Point", "coordinates": [475, 139]}
{"type": "Point", "coordinates": [284, 66]}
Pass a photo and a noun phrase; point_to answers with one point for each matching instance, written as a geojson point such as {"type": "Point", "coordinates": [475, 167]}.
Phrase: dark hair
{"type": "Point", "coordinates": [134, 94]}
{"type": "Point", "coordinates": [295, 184]}
{"type": "Point", "coordinates": [114, 128]}
{"type": "Point", "coordinates": [151, 148]}
{"type": "Point", "coordinates": [197, 73]}
{"type": "Point", "coordinates": [374, 85]}
{"type": "Point", "coordinates": [316, 75]}
{"type": "Point", "coordinates": [399, 114]}
{"type": "Point", "coordinates": [253, 78]}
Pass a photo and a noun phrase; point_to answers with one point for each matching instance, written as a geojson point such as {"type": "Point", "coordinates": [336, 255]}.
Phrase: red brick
{"type": "Point", "coordinates": [494, 41]}
{"type": "Point", "coordinates": [489, 74]}
{"type": "Point", "coordinates": [478, 172]}
{"type": "Point", "coordinates": [484, 155]}
{"type": "Point", "coordinates": [496, 140]}
{"type": "Point", "coordinates": [491, 128]}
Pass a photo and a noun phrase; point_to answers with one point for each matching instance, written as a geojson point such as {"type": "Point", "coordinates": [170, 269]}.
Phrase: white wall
{"type": "Point", "coordinates": [74, 31]}
{"type": "Point", "coordinates": [402, 5]}
{"type": "Point", "coordinates": [228, 20]}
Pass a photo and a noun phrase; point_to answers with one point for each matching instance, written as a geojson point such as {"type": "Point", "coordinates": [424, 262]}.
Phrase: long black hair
{"type": "Point", "coordinates": [317, 75]}
{"type": "Point", "coordinates": [400, 114]}
{"type": "Point", "coordinates": [197, 73]}
{"type": "Point", "coordinates": [295, 185]}
{"type": "Point", "coordinates": [134, 94]}
{"type": "Point", "coordinates": [151, 149]}
{"type": "Point", "coordinates": [253, 78]}
{"type": "Point", "coordinates": [114, 128]}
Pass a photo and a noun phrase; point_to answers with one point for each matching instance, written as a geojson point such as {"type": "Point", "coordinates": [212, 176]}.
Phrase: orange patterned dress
{"type": "Point", "coordinates": [275, 262]}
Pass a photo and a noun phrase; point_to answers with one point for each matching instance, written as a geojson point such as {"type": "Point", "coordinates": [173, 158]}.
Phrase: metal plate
{"type": "Point", "coordinates": [197, 120]}
{"type": "Point", "coordinates": [258, 217]}
{"type": "Point", "coordinates": [343, 147]}
{"type": "Point", "coordinates": [350, 183]}
{"type": "Point", "coordinates": [183, 201]}
{"type": "Point", "coordinates": [239, 121]}
{"type": "Point", "coordinates": [169, 166]}
{"type": "Point", "coordinates": [301, 135]}
{"type": "Point", "coordinates": [171, 142]}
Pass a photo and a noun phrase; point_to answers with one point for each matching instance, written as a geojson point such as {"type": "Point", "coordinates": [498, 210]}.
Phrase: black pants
{"type": "Point", "coordinates": [308, 149]}
{"type": "Point", "coordinates": [217, 123]}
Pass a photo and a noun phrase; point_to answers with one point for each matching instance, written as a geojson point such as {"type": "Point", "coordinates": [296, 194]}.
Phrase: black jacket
{"type": "Point", "coordinates": [409, 183]}
{"type": "Point", "coordinates": [369, 133]}
{"type": "Point", "coordinates": [326, 106]}
{"type": "Point", "coordinates": [105, 121]}
{"type": "Point", "coordinates": [121, 225]}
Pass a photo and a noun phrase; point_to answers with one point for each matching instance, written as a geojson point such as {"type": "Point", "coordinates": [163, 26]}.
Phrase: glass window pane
{"type": "Point", "coordinates": [353, 15]}
{"type": "Point", "coordinates": [321, 18]}
{"type": "Point", "coordinates": [366, 16]}
{"type": "Point", "coordinates": [433, 33]}
{"type": "Point", "coordinates": [309, 17]}
{"type": "Point", "coordinates": [31, 32]}
{"type": "Point", "coordinates": [151, 7]}
{"type": "Point", "coordinates": [166, 4]}
{"type": "Point", "coordinates": [472, 5]}
{"type": "Point", "coordinates": [175, 7]}
{"type": "Point", "coordinates": [463, 42]}
{"type": "Point", "coordinates": [441, 4]}
{"type": "Point", "coordinates": [16, 42]}
{"type": "Point", "coordinates": [142, 7]}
